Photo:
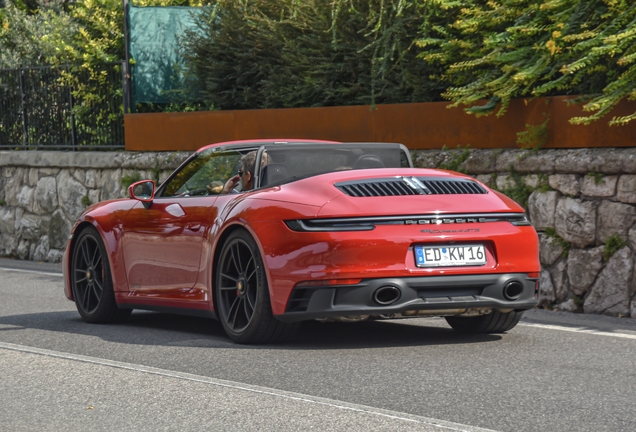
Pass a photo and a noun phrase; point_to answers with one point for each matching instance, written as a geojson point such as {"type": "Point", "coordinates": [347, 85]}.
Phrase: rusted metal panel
{"type": "Point", "coordinates": [418, 126]}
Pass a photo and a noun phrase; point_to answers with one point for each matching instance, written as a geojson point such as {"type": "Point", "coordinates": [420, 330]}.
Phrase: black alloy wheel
{"type": "Point", "coordinates": [91, 280]}
{"type": "Point", "coordinates": [239, 280]}
{"type": "Point", "coordinates": [242, 294]}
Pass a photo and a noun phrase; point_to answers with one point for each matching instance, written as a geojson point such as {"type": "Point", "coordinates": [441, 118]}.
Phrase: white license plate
{"type": "Point", "coordinates": [455, 255]}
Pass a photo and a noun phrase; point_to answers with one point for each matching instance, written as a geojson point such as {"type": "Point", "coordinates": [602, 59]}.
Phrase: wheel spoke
{"type": "Point", "coordinates": [250, 262]}
{"type": "Point", "coordinates": [249, 300]}
{"type": "Point", "coordinates": [97, 261]}
{"type": "Point", "coordinates": [249, 278]}
{"type": "Point", "coordinates": [87, 294]}
{"type": "Point", "coordinates": [81, 272]}
{"type": "Point", "coordinates": [97, 296]}
{"type": "Point", "coordinates": [85, 253]}
{"type": "Point", "coordinates": [227, 276]}
{"type": "Point", "coordinates": [232, 260]}
{"type": "Point", "coordinates": [241, 311]}
{"type": "Point", "coordinates": [237, 257]}
{"type": "Point", "coordinates": [95, 254]}
{"type": "Point", "coordinates": [231, 316]}
{"type": "Point", "coordinates": [246, 305]}
{"type": "Point", "coordinates": [98, 284]}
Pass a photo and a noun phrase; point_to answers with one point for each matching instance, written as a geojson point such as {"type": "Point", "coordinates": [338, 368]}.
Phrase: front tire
{"type": "Point", "coordinates": [494, 322]}
{"type": "Point", "coordinates": [242, 295]}
{"type": "Point", "coordinates": [91, 280]}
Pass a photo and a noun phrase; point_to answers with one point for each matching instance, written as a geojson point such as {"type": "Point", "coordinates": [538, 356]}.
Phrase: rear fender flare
{"type": "Point", "coordinates": [111, 241]}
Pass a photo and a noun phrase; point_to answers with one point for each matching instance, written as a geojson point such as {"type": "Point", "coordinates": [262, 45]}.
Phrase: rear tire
{"type": "Point", "coordinates": [91, 280]}
{"type": "Point", "coordinates": [242, 295]}
{"type": "Point", "coordinates": [494, 322]}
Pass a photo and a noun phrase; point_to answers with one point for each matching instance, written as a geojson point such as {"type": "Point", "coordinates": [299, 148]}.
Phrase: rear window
{"type": "Point", "coordinates": [288, 163]}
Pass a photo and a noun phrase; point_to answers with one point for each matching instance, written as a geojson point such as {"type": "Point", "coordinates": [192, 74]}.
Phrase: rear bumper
{"type": "Point", "coordinates": [447, 295]}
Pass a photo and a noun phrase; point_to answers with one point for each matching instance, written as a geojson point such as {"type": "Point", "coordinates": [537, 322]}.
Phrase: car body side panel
{"type": "Point", "coordinates": [162, 247]}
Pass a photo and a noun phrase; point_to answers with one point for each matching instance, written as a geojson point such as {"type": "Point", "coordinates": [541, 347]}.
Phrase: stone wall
{"type": "Point", "coordinates": [581, 201]}
{"type": "Point", "coordinates": [42, 193]}
{"type": "Point", "coordinates": [582, 204]}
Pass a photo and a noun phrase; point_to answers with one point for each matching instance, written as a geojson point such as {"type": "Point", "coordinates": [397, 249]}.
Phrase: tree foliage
{"type": "Point", "coordinates": [292, 53]}
{"type": "Point", "coordinates": [82, 36]}
{"type": "Point", "coordinates": [30, 39]}
{"type": "Point", "coordinates": [499, 50]}
{"type": "Point", "coordinates": [53, 32]}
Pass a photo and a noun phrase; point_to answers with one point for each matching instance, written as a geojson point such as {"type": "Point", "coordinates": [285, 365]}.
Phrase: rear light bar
{"type": "Point", "coordinates": [369, 223]}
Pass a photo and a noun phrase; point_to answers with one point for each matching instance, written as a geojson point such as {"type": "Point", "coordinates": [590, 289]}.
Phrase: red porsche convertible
{"type": "Point", "coordinates": [321, 230]}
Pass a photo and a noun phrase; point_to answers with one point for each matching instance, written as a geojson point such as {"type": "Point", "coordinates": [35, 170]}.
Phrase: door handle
{"type": "Point", "coordinates": [193, 227]}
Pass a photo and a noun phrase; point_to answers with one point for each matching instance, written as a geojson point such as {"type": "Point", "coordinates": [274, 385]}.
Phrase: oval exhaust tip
{"type": "Point", "coordinates": [513, 290]}
{"type": "Point", "coordinates": [386, 295]}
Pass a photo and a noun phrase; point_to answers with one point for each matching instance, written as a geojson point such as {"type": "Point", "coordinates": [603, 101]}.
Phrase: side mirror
{"type": "Point", "coordinates": [143, 191]}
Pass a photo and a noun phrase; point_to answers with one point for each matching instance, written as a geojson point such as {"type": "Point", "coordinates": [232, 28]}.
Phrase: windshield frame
{"type": "Point", "coordinates": [241, 148]}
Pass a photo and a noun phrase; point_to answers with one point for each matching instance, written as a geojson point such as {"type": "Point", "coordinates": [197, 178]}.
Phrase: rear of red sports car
{"type": "Point", "coordinates": [403, 242]}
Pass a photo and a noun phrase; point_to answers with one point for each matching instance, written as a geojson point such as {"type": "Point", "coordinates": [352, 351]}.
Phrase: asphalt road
{"type": "Point", "coordinates": [553, 372]}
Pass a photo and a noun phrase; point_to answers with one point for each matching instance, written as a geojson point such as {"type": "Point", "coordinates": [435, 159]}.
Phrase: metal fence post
{"type": "Point", "coordinates": [129, 106]}
{"type": "Point", "coordinates": [125, 88]}
{"type": "Point", "coordinates": [25, 133]}
{"type": "Point", "coordinates": [73, 128]}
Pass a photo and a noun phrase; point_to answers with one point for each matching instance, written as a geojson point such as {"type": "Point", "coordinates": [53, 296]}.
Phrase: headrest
{"type": "Point", "coordinates": [368, 161]}
{"type": "Point", "coordinates": [274, 173]}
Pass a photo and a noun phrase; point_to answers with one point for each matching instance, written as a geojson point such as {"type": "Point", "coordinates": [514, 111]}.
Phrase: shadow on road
{"type": "Point", "coordinates": [152, 328]}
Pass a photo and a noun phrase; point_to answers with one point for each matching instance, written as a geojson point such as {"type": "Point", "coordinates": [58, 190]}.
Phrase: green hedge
{"type": "Point", "coordinates": [518, 48]}
{"type": "Point", "coordinates": [291, 53]}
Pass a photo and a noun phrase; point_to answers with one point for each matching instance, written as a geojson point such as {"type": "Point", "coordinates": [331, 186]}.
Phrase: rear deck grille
{"type": "Point", "coordinates": [443, 187]}
{"type": "Point", "coordinates": [377, 188]}
{"type": "Point", "coordinates": [400, 186]}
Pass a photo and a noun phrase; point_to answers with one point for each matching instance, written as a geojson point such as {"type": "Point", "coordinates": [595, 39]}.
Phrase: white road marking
{"type": "Point", "coordinates": [580, 330]}
{"type": "Point", "coordinates": [31, 271]}
{"type": "Point", "coordinates": [249, 388]}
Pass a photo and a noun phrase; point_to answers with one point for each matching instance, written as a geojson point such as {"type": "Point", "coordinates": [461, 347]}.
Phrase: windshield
{"type": "Point", "coordinates": [205, 174]}
{"type": "Point", "coordinates": [288, 162]}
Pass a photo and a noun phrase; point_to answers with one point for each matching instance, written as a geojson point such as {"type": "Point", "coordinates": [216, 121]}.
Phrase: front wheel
{"type": "Point", "coordinates": [242, 294]}
{"type": "Point", "coordinates": [494, 322]}
{"type": "Point", "coordinates": [91, 280]}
